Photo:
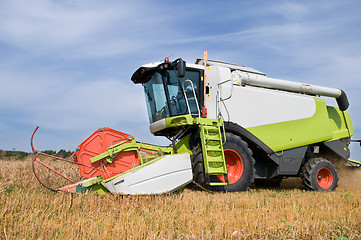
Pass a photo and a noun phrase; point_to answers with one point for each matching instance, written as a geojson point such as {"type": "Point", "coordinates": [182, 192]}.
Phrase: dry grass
{"type": "Point", "coordinates": [28, 211]}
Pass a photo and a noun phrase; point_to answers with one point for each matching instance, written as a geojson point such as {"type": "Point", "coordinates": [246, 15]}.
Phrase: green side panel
{"type": "Point", "coordinates": [179, 121]}
{"type": "Point", "coordinates": [340, 122]}
{"type": "Point", "coordinates": [95, 185]}
{"type": "Point", "coordinates": [348, 122]}
{"type": "Point", "coordinates": [182, 145]}
{"type": "Point", "coordinates": [99, 188]}
{"type": "Point", "coordinates": [327, 124]}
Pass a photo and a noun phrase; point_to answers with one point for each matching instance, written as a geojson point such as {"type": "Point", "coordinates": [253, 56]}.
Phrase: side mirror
{"type": "Point", "coordinates": [181, 67]}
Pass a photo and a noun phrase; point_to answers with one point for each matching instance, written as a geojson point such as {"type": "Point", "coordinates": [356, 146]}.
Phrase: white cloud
{"type": "Point", "coordinates": [86, 104]}
{"type": "Point", "coordinates": [50, 24]}
{"type": "Point", "coordinates": [22, 89]}
{"type": "Point", "coordinates": [83, 29]}
{"type": "Point", "coordinates": [61, 104]}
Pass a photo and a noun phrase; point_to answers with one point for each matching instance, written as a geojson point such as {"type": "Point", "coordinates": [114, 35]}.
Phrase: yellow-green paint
{"type": "Point", "coordinates": [211, 139]}
{"type": "Point", "coordinates": [179, 121]}
{"type": "Point", "coordinates": [355, 161]}
{"type": "Point", "coordinates": [182, 145]}
{"type": "Point", "coordinates": [327, 124]}
{"type": "Point", "coordinates": [129, 145]}
{"type": "Point", "coordinates": [340, 122]}
{"type": "Point", "coordinates": [348, 122]}
{"type": "Point", "coordinates": [95, 185]}
{"type": "Point", "coordinates": [98, 188]}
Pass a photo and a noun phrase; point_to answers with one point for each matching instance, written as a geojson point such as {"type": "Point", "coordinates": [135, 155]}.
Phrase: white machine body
{"type": "Point", "coordinates": [249, 98]}
{"type": "Point", "coordinates": [165, 175]}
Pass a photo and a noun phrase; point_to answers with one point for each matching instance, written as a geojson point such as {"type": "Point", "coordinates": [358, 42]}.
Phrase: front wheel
{"type": "Point", "coordinates": [320, 175]}
{"type": "Point", "coordinates": [239, 161]}
{"type": "Point", "coordinates": [240, 165]}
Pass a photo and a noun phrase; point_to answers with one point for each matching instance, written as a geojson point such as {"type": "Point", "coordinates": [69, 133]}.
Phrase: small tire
{"type": "Point", "coordinates": [320, 175]}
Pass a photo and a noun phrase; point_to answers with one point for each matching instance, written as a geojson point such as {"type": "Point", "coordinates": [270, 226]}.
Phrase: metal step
{"type": "Point", "coordinates": [214, 161]}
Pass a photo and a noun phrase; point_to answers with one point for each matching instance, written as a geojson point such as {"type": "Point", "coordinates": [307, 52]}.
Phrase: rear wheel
{"type": "Point", "coordinates": [320, 175]}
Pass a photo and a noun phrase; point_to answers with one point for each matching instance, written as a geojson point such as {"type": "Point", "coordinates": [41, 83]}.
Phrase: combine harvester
{"type": "Point", "coordinates": [229, 126]}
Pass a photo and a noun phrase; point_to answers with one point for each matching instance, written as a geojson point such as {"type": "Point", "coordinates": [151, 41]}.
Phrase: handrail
{"type": "Point", "coordinates": [219, 84]}
{"type": "Point", "coordinates": [224, 132]}
{"type": "Point", "coordinates": [195, 97]}
{"type": "Point", "coordinates": [220, 99]}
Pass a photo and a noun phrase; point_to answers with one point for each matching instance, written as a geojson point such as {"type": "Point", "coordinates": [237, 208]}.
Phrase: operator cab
{"type": "Point", "coordinates": [171, 89]}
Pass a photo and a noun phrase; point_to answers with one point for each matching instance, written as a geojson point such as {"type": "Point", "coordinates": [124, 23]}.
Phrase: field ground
{"type": "Point", "coordinates": [29, 211]}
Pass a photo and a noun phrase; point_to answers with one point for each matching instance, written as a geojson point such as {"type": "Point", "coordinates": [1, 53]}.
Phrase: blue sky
{"type": "Point", "coordinates": [66, 65]}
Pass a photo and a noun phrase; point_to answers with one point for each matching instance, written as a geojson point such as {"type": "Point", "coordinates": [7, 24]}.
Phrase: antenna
{"type": "Point", "coordinates": [204, 77]}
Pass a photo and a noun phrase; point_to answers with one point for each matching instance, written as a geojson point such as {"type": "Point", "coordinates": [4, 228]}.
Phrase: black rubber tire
{"type": "Point", "coordinates": [199, 175]}
{"type": "Point", "coordinates": [312, 177]}
{"type": "Point", "coordinates": [273, 182]}
{"type": "Point", "coordinates": [236, 144]}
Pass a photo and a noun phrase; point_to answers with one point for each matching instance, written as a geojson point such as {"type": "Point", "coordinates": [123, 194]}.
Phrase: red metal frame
{"type": "Point", "coordinates": [95, 144]}
{"type": "Point", "coordinates": [99, 142]}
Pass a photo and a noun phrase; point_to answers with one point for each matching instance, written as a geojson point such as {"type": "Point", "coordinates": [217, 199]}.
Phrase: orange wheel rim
{"type": "Point", "coordinates": [324, 178]}
{"type": "Point", "coordinates": [234, 166]}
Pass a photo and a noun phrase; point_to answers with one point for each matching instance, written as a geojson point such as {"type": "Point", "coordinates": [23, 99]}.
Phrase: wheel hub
{"type": "Point", "coordinates": [324, 178]}
{"type": "Point", "coordinates": [234, 164]}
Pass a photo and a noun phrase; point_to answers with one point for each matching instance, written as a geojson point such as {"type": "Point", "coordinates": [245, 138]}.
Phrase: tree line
{"type": "Point", "coordinates": [19, 155]}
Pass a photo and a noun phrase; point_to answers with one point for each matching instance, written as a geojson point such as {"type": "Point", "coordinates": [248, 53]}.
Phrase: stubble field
{"type": "Point", "coordinates": [29, 211]}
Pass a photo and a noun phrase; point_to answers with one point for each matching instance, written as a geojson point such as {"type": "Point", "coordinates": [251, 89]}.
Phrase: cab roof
{"type": "Point", "coordinates": [142, 73]}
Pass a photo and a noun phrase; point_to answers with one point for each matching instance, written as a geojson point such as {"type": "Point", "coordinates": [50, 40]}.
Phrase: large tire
{"type": "Point", "coordinates": [199, 175]}
{"type": "Point", "coordinates": [240, 166]}
{"type": "Point", "coordinates": [320, 175]}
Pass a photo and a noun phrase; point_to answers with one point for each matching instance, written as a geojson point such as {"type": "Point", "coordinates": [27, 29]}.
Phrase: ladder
{"type": "Point", "coordinates": [212, 149]}
{"type": "Point", "coordinates": [211, 140]}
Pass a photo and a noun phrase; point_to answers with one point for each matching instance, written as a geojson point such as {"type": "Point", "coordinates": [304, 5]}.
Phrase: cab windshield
{"type": "Point", "coordinates": [164, 94]}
